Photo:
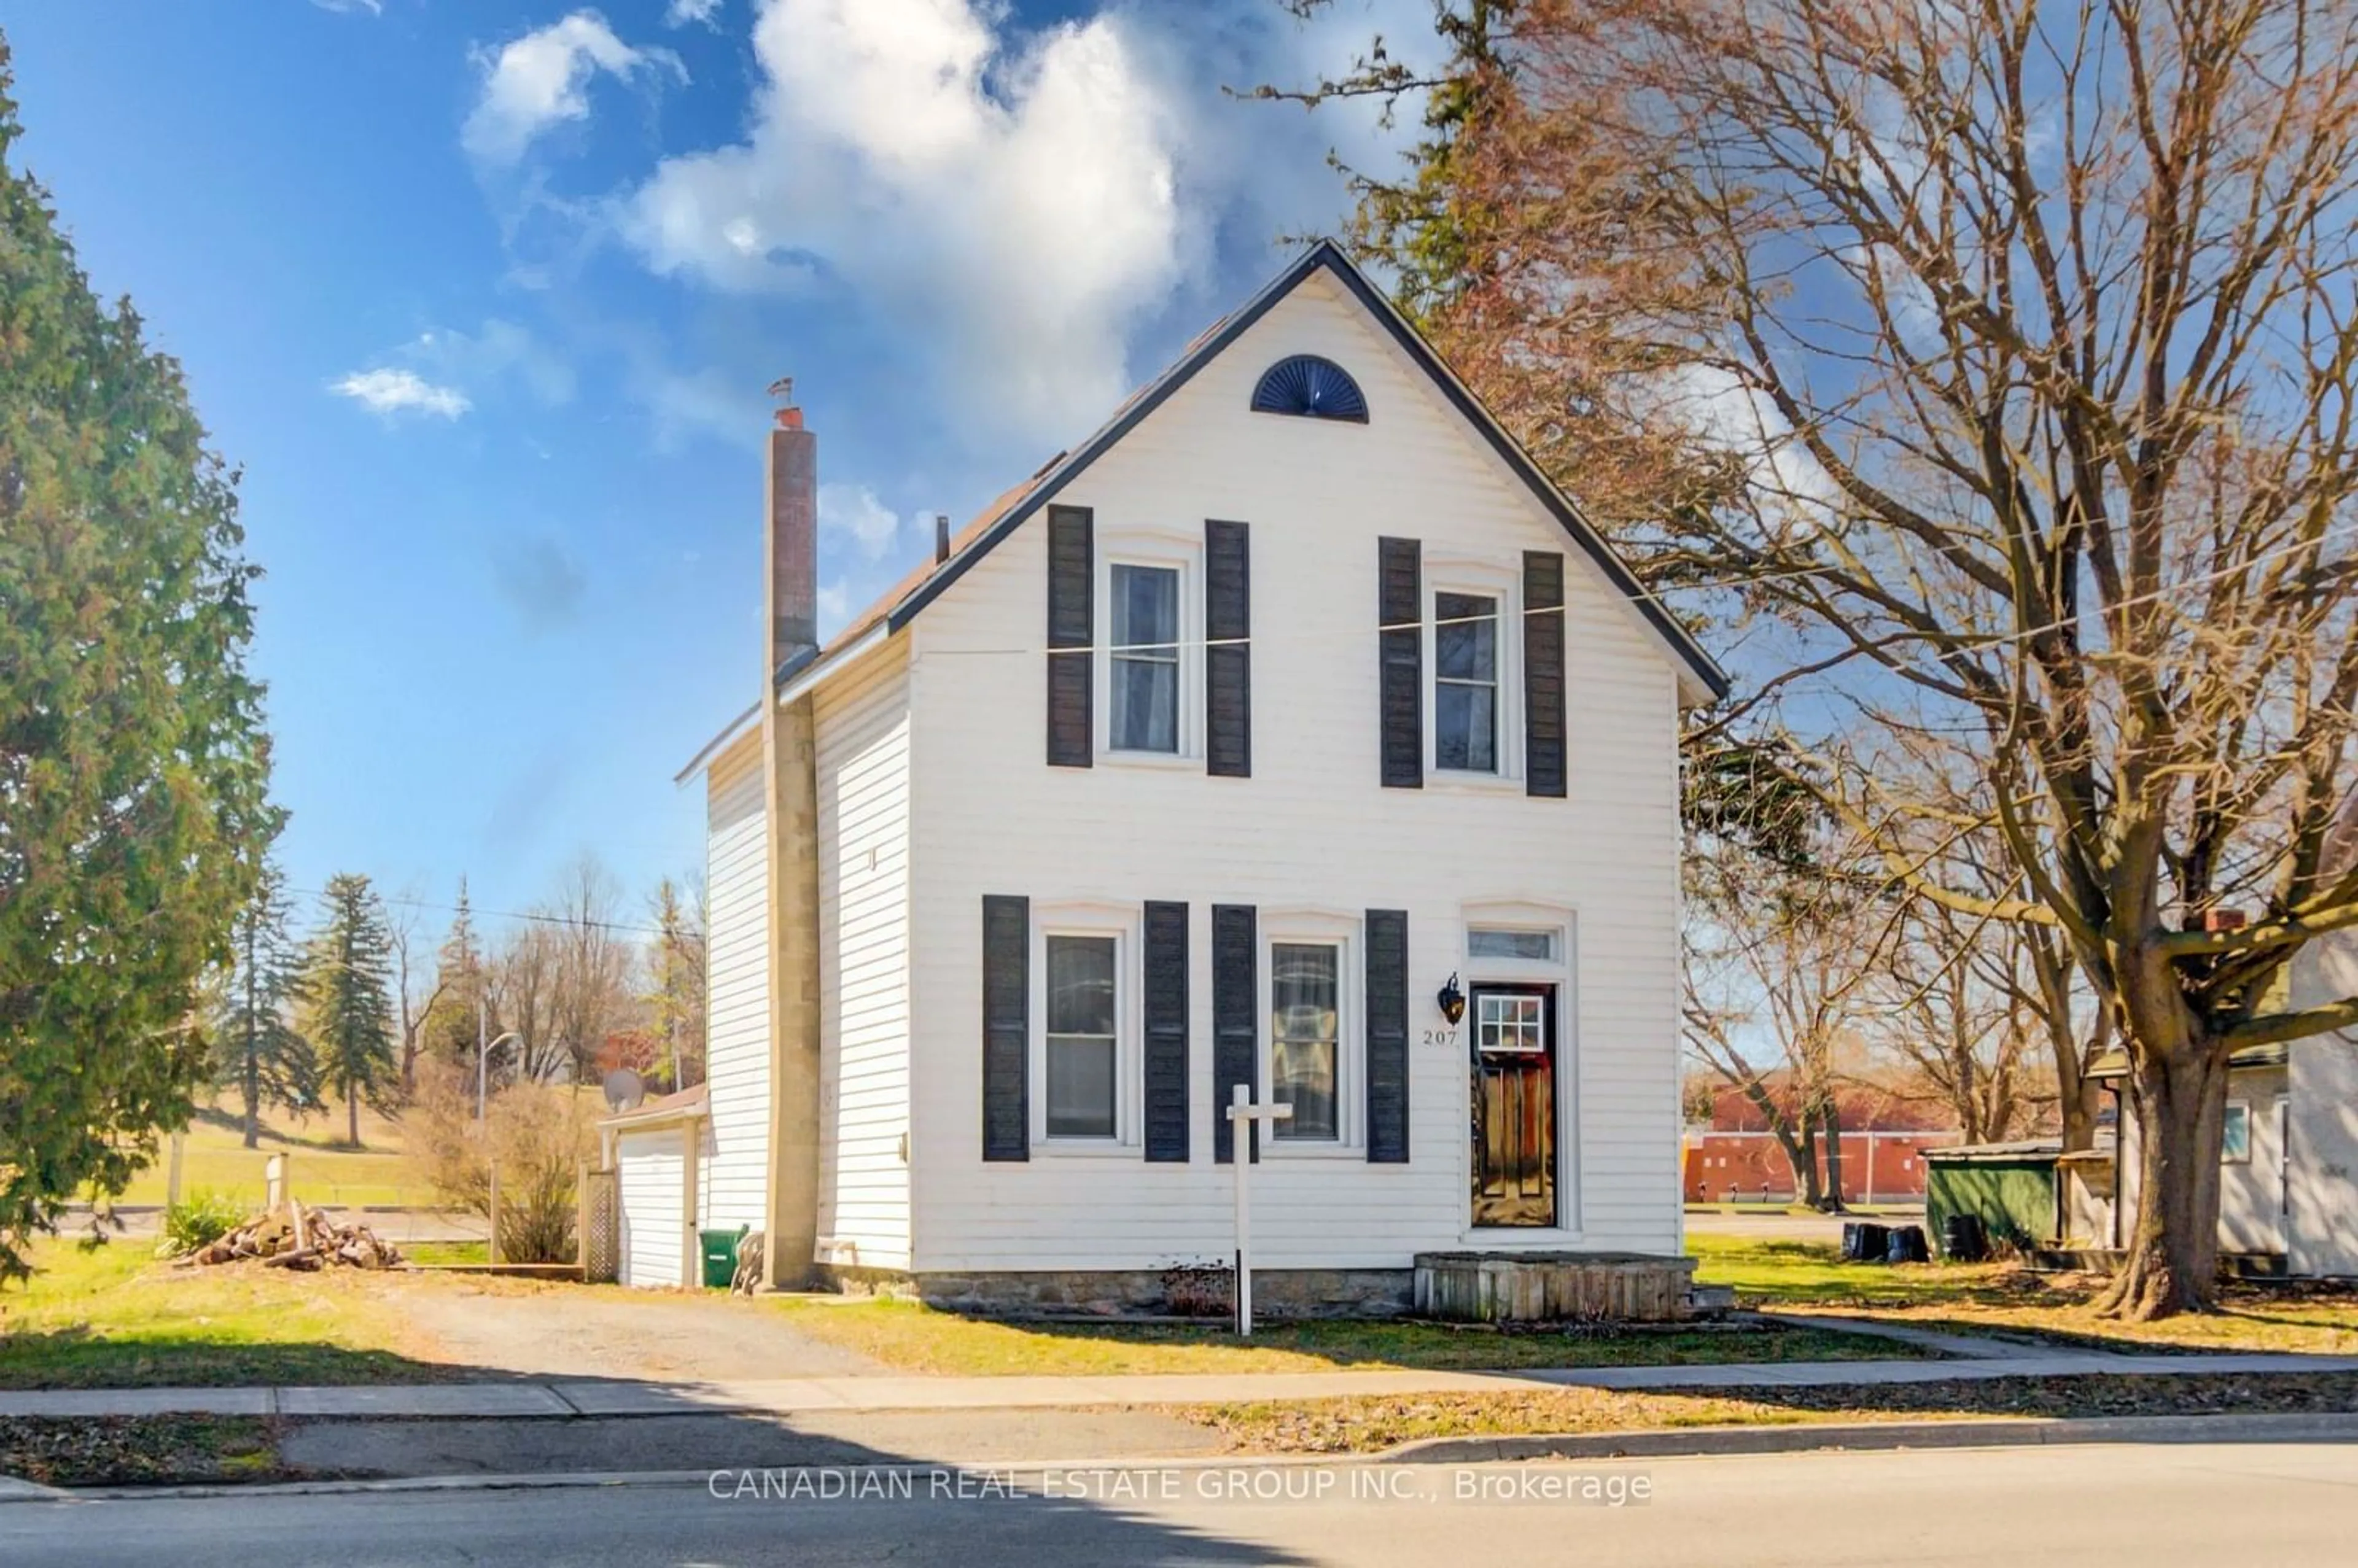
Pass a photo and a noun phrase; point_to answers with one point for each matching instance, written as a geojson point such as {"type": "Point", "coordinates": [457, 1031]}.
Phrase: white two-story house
{"type": "Point", "coordinates": [1292, 731]}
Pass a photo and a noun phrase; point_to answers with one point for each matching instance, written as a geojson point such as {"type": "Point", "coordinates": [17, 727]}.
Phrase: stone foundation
{"type": "Point", "coordinates": [1545, 1287]}
{"type": "Point", "coordinates": [1208, 1293]}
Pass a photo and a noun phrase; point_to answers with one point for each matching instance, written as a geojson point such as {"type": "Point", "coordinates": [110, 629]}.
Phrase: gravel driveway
{"type": "Point", "coordinates": [531, 1329]}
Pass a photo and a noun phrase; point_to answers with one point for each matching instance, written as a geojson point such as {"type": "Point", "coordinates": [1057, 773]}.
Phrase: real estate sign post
{"type": "Point", "coordinates": [1243, 1111]}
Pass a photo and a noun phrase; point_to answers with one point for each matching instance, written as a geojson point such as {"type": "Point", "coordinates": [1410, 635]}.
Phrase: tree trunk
{"type": "Point", "coordinates": [2173, 1253]}
{"type": "Point", "coordinates": [352, 1113]}
{"type": "Point", "coordinates": [1833, 1201]}
{"type": "Point", "coordinates": [1800, 1146]}
{"type": "Point", "coordinates": [252, 1062]}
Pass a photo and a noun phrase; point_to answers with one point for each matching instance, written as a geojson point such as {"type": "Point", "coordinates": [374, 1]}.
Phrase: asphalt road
{"type": "Point", "coordinates": [2242, 1503]}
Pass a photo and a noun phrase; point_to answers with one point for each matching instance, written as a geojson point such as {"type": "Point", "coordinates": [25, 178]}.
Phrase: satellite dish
{"type": "Point", "coordinates": [624, 1090]}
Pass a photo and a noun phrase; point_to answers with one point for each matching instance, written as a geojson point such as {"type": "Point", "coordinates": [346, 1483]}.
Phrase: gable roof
{"type": "Point", "coordinates": [905, 600]}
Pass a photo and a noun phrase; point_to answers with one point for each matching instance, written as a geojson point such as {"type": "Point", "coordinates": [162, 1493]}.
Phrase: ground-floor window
{"type": "Point", "coordinates": [1305, 1035]}
{"type": "Point", "coordinates": [1084, 1036]}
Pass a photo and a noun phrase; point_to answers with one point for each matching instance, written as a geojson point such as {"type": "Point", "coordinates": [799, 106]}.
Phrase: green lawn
{"type": "Point", "coordinates": [919, 1339]}
{"type": "Point", "coordinates": [322, 1168]}
{"type": "Point", "coordinates": [1367, 1423]}
{"type": "Point", "coordinates": [1983, 1298]}
{"type": "Point", "coordinates": [116, 1317]}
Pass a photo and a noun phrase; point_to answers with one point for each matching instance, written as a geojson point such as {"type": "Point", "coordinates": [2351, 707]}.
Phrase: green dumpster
{"type": "Point", "coordinates": [2010, 1187]}
{"type": "Point", "coordinates": [719, 1250]}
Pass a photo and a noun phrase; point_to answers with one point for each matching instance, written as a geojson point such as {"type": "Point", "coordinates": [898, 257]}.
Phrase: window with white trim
{"type": "Point", "coordinates": [1305, 1038]}
{"type": "Point", "coordinates": [1503, 941]}
{"type": "Point", "coordinates": [2236, 1134]}
{"type": "Point", "coordinates": [1466, 671]}
{"type": "Point", "coordinates": [1083, 1062]}
{"type": "Point", "coordinates": [1143, 710]}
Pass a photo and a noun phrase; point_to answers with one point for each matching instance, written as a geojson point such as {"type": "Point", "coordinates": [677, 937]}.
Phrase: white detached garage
{"type": "Point", "coordinates": [658, 1152]}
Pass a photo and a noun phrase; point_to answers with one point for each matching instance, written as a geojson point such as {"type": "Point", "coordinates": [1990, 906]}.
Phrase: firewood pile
{"type": "Point", "coordinates": [294, 1236]}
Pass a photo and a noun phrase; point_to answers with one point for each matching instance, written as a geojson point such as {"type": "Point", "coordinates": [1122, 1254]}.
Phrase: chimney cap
{"type": "Point", "coordinates": [790, 416]}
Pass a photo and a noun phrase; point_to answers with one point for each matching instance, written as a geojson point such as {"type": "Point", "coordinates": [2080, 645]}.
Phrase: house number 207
{"type": "Point", "coordinates": [1441, 1037]}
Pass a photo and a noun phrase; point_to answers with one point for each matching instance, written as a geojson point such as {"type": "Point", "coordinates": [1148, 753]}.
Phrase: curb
{"type": "Point", "coordinates": [1865, 1436]}
{"type": "Point", "coordinates": [1680, 1443]}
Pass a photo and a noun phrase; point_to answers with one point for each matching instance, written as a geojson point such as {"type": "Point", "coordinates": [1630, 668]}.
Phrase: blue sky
{"type": "Point", "coordinates": [482, 298]}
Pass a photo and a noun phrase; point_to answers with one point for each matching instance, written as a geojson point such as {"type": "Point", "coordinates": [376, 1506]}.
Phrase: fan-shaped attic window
{"type": "Point", "coordinates": [1312, 387]}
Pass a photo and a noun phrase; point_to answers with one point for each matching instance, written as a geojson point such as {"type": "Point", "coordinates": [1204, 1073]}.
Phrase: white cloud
{"type": "Point", "coordinates": [834, 607]}
{"type": "Point", "coordinates": [373, 8]}
{"type": "Point", "coordinates": [392, 392]}
{"type": "Point", "coordinates": [1012, 203]}
{"type": "Point", "coordinates": [1014, 208]}
{"type": "Point", "coordinates": [680, 13]}
{"type": "Point", "coordinates": [853, 509]}
{"type": "Point", "coordinates": [498, 349]}
{"type": "Point", "coordinates": [541, 79]}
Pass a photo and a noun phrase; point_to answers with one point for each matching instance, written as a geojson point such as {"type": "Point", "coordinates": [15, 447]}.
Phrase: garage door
{"type": "Point", "coordinates": [649, 1180]}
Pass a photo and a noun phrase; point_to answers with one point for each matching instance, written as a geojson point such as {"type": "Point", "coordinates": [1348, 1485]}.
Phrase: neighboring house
{"type": "Point", "coordinates": [1215, 753]}
{"type": "Point", "coordinates": [2289, 1151]}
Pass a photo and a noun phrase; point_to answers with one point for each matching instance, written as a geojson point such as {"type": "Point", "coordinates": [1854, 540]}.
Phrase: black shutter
{"type": "Point", "coordinates": [1072, 624]}
{"type": "Point", "coordinates": [1166, 1032]}
{"type": "Point", "coordinates": [1388, 1037]}
{"type": "Point", "coordinates": [1544, 724]}
{"type": "Point", "coordinates": [1006, 1027]}
{"type": "Point", "coordinates": [1401, 612]}
{"type": "Point", "coordinates": [1228, 658]}
{"type": "Point", "coordinates": [1236, 1020]}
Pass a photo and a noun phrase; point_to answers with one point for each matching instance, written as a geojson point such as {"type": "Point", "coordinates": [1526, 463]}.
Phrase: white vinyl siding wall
{"type": "Point", "coordinates": [862, 724]}
{"type": "Point", "coordinates": [650, 1186]}
{"type": "Point", "coordinates": [1310, 833]}
{"type": "Point", "coordinates": [2323, 1084]}
{"type": "Point", "coordinates": [736, 1178]}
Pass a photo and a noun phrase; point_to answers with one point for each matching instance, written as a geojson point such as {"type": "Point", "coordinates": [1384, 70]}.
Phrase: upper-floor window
{"type": "Point", "coordinates": [1465, 709]}
{"type": "Point", "coordinates": [1143, 711]}
{"type": "Point", "coordinates": [1312, 387]}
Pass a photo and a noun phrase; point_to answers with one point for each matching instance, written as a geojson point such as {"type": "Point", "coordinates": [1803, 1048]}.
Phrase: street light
{"type": "Point", "coordinates": [483, 1056]}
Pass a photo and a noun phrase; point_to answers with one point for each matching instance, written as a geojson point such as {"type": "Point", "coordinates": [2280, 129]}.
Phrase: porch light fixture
{"type": "Point", "coordinates": [1450, 1000]}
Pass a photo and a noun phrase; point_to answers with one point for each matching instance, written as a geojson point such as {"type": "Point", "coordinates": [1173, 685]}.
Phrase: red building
{"type": "Point", "coordinates": [1738, 1160]}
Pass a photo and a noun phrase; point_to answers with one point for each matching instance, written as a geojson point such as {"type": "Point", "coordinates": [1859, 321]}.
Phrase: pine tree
{"type": "Point", "coordinates": [133, 765]}
{"type": "Point", "coordinates": [348, 1003]}
{"type": "Point", "coordinates": [258, 1051]}
{"type": "Point", "coordinates": [676, 1001]}
{"type": "Point", "coordinates": [462, 980]}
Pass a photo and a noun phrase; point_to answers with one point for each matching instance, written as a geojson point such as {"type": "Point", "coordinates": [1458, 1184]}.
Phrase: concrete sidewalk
{"type": "Point", "coordinates": [563, 1399]}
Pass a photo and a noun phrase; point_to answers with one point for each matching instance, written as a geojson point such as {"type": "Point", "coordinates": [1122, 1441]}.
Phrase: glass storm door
{"type": "Point", "coordinates": [1513, 1040]}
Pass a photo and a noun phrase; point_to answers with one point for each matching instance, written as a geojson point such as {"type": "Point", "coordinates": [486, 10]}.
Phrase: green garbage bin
{"type": "Point", "coordinates": [720, 1255]}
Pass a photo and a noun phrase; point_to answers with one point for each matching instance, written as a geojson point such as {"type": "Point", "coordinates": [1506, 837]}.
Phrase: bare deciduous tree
{"type": "Point", "coordinates": [2034, 322]}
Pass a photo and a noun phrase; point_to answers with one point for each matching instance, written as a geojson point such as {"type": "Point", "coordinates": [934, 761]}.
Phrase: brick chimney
{"type": "Point", "coordinates": [792, 546]}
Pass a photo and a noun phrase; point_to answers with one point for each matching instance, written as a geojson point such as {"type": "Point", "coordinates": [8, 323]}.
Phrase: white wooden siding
{"type": "Point", "coordinates": [650, 1188]}
{"type": "Point", "coordinates": [736, 1184]}
{"type": "Point", "coordinates": [2323, 1075]}
{"type": "Point", "coordinates": [862, 722]}
{"type": "Point", "coordinates": [1311, 829]}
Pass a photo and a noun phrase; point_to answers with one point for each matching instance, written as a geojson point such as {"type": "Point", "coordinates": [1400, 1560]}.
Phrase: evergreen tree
{"type": "Point", "coordinates": [1421, 227]}
{"type": "Point", "coordinates": [133, 766]}
{"type": "Point", "coordinates": [257, 1050]}
{"type": "Point", "coordinates": [348, 1000]}
{"type": "Point", "coordinates": [675, 999]}
{"type": "Point", "coordinates": [460, 979]}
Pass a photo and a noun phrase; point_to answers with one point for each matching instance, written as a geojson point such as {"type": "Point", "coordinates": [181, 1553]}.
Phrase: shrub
{"type": "Point", "coordinates": [201, 1218]}
{"type": "Point", "coordinates": [539, 1134]}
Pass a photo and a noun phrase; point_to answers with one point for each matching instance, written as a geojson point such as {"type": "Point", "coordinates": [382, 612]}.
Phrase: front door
{"type": "Point", "coordinates": [1513, 1040]}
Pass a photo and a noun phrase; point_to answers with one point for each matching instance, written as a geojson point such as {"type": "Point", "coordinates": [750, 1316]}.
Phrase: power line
{"type": "Point", "coordinates": [1970, 644]}
{"type": "Point", "coordinates": [541, 916]}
